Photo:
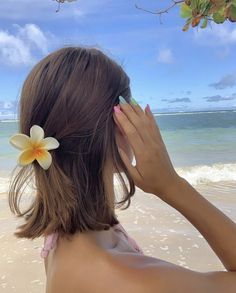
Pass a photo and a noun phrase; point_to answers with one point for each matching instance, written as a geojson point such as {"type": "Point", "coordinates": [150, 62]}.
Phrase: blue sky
{"type": "Point", "coordinates": [169, 69]}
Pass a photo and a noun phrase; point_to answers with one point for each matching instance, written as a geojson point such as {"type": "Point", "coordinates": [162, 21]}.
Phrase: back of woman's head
{"type": "Point", "coordinates": [71, 94]}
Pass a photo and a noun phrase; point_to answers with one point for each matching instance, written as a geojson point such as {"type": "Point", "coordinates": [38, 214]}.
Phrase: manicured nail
{"type": "Point", "coordinates": [117, 110]}
{"type": "Point", "coordinates": [122, 100]}
{"type": "Point", "coordinates": [148, 108]}
{"type": "Point", "coordinates": [133, 101]}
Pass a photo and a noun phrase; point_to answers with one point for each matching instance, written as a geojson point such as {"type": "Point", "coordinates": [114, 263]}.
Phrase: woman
{"type": "Point", "coordinates": [81, 99]}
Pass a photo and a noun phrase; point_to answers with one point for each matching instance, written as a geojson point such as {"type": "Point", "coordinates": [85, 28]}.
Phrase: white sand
{"type": "Point", "coordinates": [159, 229]}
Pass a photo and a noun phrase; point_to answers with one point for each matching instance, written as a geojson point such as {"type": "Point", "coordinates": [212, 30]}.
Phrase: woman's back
{"type": "Point", "coordinates": [111, 261]}
{"type": "Point", "coordinates": [94, 261]}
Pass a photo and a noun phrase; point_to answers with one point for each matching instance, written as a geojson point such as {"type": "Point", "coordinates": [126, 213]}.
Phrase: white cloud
{"type": "Point", "coordinates": [219, 34]}
{"type": "Point", "coordinates": [13, 51]}
{"type": "Point", "coordinates": [226, 35]}
{"type": "Point", "coordinates": [33, 34]}
{"type": "Point", "coordinates": [20, 48]}
{"type": "Point", "coordinates": [165, 56]}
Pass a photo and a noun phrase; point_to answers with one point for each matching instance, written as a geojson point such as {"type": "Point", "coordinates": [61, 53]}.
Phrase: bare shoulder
{"type": "Point", "coordinates": [137, 273]}
{"type": "Point", "coordinates": [104, 273]}
{"type": "Point", "coordinates": [145, 274]}
{"type": "Point", "coordinates": [166, 277]}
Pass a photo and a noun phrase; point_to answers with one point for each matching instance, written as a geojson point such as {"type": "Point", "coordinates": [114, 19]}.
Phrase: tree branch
{"type": "Point", "coordinates": [59, 4]}
{"type": "Point", "coordinates": [160, 12]}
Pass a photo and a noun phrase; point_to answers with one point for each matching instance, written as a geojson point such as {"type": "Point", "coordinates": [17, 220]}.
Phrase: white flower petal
{"type": "Point", "coordinates": [45, 160]}
{"type": "Point", "coordinates": [50, 143]}
{"type": "Point", "coordinates": [20, 141]}
{"type": "Point", "coordinates": [36, 133]}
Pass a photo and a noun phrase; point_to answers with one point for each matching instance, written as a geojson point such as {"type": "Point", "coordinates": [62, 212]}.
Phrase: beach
{"type": "Point", "coordinates": [159, 229]}
{"type": "Point", "coordinates": [202, 147]}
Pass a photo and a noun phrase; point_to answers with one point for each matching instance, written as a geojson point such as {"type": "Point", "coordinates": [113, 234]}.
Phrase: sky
{"type": "Point", "coordinates": [169, 69]}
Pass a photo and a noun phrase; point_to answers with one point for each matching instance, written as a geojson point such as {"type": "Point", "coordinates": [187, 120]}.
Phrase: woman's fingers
{"type": "Point", "coordinates": [118, 125]}
{"type": "Point", "coordinates": [154, 125]}
{"type": "Point", "coordinates": [133, 171]}
{"type": "Point", "coordinates": [154, 171]}
{"type": "Point", "coordinates": [130, 131]}
{"type": "Point", "coordinates": [139, 120]}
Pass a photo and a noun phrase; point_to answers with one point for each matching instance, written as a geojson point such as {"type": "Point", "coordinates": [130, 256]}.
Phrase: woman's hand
{"type": "Point", "coordinates": [154, 172]}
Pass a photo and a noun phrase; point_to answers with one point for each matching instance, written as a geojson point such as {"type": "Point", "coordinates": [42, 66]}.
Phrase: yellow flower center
{"type": "Point", "coordinates": [37, 152]}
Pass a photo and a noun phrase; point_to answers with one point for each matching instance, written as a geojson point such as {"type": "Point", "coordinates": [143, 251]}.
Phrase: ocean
{"type": "Point", "coordinates": [201, 145]}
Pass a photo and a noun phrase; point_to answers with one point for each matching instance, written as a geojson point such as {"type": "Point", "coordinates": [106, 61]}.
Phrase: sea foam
{"type": "Point", "coordinates": [194, 175]}
{"type": "Point", "coordinates": [203, 173]}
{"type": "Point", "coordinates": [4, 183]}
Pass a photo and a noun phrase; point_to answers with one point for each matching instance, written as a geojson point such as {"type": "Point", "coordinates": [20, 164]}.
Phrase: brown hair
{"type": "Point", "coordinates": [71, 94]}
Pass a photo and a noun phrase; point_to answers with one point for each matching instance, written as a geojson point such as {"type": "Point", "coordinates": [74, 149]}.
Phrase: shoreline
{"type": "Point", "coordinates": [154, 111]}
{"type": "Point", "coordinates": [159, 229]}
{"type": "Point", "coordinates": [196, 174]}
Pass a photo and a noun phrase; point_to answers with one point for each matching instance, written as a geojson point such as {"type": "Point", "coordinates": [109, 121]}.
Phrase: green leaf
{"type": "Point", "coordinates": [204, 23]}
{"type": "Point", "coordinates": [204, 6]}
{"type": "Point", "coordinates": [186, 27]}
{"type": "Point", "coordinates": [185, 11]}
{"type": "Point", "coordinates": [218, 18]}
{"type": "Point", "coordinates": [219, 3]}
{"type": "Point", "coordinates": [194, 4]}
{"type": "Point", "coordinates": [187, 24]}
{"type": "Point", "coordinates": [232, 13]}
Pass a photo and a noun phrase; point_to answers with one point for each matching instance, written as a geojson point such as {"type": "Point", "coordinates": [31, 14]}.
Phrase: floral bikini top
{"type": "Point", "coordinates": [50, 241]}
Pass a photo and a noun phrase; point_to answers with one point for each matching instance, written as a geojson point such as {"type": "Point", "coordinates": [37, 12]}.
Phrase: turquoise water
{"type": "Point", "coordinates": [195, 141]}
{"type": "Point", "coordinates": [200, 138]}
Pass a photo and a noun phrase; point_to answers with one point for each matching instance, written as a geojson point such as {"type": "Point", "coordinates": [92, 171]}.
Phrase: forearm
{"type": "Point", "coordinates": [215, 226]}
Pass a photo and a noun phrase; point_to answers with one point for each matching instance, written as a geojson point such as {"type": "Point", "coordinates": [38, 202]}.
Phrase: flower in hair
{"type": "Point", "coordinates": [34, 147]}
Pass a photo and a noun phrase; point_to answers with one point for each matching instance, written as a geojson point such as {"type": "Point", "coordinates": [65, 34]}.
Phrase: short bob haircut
{"type": "Point", "coordinates": [71, 94]}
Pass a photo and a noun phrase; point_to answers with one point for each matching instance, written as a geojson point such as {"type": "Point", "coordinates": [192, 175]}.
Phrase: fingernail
{"type": "Point", "coordinates": [148, 108]}
{"type": "Point", "coordinates": [133, 101]}
{"type": "Point", "coordinates": [117, 110]}
{"type": "Point", "coordinates": [122, 100]}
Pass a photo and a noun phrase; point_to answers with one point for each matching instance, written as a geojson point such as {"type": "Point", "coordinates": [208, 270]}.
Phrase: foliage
{"type": "Point", "coordinates": [200, 12]}
{"type": "Point", "coordinates": [197, 12]}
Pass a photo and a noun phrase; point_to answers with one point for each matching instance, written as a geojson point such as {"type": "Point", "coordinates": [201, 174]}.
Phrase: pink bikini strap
{"type": "Point", "coordinates": [50, 241]}
{"type": "Point", "coordinates": [130, 239]}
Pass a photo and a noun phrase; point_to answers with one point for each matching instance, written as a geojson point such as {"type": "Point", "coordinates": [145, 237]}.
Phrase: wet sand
{"type": "Point", "coordinates": [159, 229]}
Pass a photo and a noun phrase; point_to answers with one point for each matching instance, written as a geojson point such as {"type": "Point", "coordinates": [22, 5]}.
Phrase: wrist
{"type": "Point", "coordinates": [173, 190]}
{"type": "Point", "coordinates": [182, 195]}
{"type": "Point", "coordinates": [174, 185]}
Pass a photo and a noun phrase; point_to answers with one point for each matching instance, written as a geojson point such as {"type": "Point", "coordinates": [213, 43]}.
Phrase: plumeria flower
{"type": "Point", "coordinates": [35, 147]}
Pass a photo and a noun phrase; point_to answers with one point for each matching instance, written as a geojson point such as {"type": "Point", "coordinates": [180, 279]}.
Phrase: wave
{"type": "Point", "coordinates": [194, 175]}
{"type": "Point", "coordinates": [199, 174]}
{"type": "Point", "coordinates": [208, 173]}
{"type": "Point", "coordinates": [4, 183]}
{"type": "Point", "coordinates": [8, 120]}
{"type": "Point", "coordinates": [192, 113]}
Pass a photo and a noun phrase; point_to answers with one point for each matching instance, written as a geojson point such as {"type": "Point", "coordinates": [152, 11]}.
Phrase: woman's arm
{"type": "Point", "coordinates": [154, 173]}
{"type": "Point", "coordinates": [216, 227]}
